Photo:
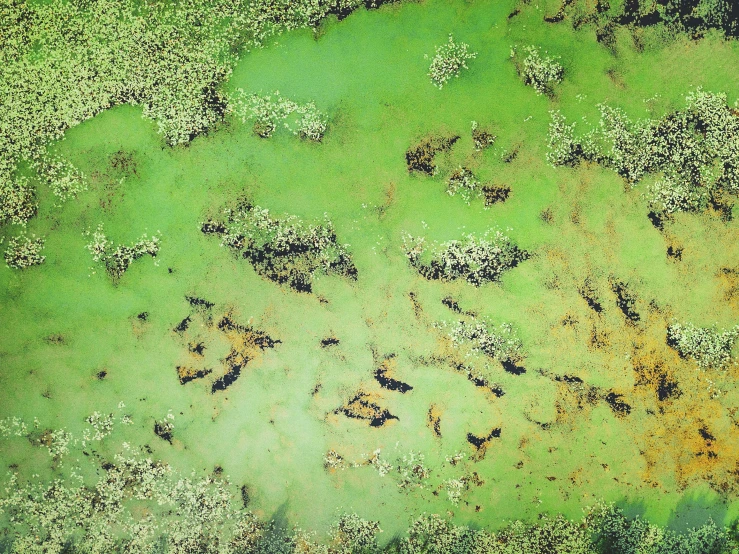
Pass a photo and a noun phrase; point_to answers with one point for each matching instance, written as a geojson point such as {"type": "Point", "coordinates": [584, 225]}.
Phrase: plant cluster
{"type": "Point", "coordinates": [64, 179]}
{"type": "Point", "coordinates": [131, 503]}
{"type": "Point", "coordinates": [286, 250]}
{"type": "Point", "coordinates": [353, 535]}
{"type": "Point", "coordinates": [17, 200]}
{"type": "Point", "coordinates": [63, 62]}
{"type": "Point", "coordinates": [24, 251]}
{"type": "Point", "coordinates": [501, 344]}
{"type": "Point", "coordinates": [695, 17]}
{"type": "Point", "coordinates": [465, 184]}
{"type": "Point", "coordinates": [537, 71]}
{"type": "Point", "coordinates": [449, 60]}
{"type": "Point", "coordinates": [481, 138]}
{"type": "Point", "coordinates": [477, 260]}
{"type": "Point", "coordinates": [116, 260]}
{"type": "Point", "coordinates": [267, 112]}
{"type": "Point", "coordinates": [696, 151]}
{"type": "Point", "coordinates": [708, 347]}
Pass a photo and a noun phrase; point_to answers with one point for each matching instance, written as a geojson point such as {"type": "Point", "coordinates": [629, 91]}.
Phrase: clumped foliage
{"type": "Point", "coordinates": [464, 183]}
{"type": "Point", "coordinates": [709, 348]}
{"type": "Point", "coordinates": [267, 112]}
{"type": "Point", "coordinates": [477, 260]}
{"type": "Point", "coordinates": [353, 535]}
{"type": "Point", "coordinates": [695, 151]}
{"type": "Point", "coordinates": [449, 60]}
{"type": "Point", "coordinates": [537, 71]}
{"type": "Point", "coordinates": [24, 251]}
{"type": "Point", "coordinates": [117, 259]}
{"type": "Point", "coordinates": [285, 250]}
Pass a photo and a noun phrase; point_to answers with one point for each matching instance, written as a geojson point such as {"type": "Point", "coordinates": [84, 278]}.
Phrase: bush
{"type": "Point", "coordinates": [64, 179]}
{"type": "Point", "coordinates": [707, 346]}
{"type": "Point", "coordinates": [24, 251]}
{"type": "Point", "coordinates": [354, 535]}
{"type": "Point", "coordinates": [449, 60]}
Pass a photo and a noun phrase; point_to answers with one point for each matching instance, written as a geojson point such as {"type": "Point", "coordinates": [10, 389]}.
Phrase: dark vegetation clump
{"type": "Point", "coordinates": [164, 430]}
{"type": "Point", "coordinates": [495, 194]}
{"type": "Point", "coordinates": [617, 405]}
{"type": "Point", "coordinates": [477, 260]}
{"type": "Point", "coordinates": [362, 406]}
{"type": "Point", "coordinates": [383, 376]}
{"type": "Point", "coordinates": [420, 157]}
{"type": "Point", "coordinates": [285, 251]}
{"type": "Point", "coordinates": [625, 300]}
{"type": "Point", "coordinates": [329, 341]}
{"type": "Point", "coordinates": [694, 17]}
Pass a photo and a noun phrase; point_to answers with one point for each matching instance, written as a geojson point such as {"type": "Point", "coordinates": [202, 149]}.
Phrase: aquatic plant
{"type": "Point", "coordinates": [477, 260]}
{"type": "Point", "coordinates": [501, 343]}
{"type": "Point", "coordinates": [24, 251]}
{"type": "Point", "coordinates": [696, 151]}
{"type": "Point", "coordinates": [116, 260]}
{"type": "Point", "coordinates": [64, 179]}
{"type": "Point", "coordinates": [17, 200]}
{"type": "Point", "coordinates": [537, 71]}
{"type": "Point", "coordinates": [464, 183]}
{"type": "Point", "coordinates": [352, 534]}
{"type": "Point", "coordinates": [267, 112]}
{"type": "Point", "coordinates": [449, 60]}
{"type": "Point", "coordinates": [284, 250]}
{"type": "Point", "coordinates": [708, 347]}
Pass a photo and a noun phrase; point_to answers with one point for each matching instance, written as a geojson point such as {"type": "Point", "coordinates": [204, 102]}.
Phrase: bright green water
{"type": "Point", "coordinates": [268, 430]}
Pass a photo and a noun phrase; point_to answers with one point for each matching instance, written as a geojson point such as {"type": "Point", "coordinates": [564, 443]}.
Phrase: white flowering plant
{"type": "Point", "coordinates": [449, 60]}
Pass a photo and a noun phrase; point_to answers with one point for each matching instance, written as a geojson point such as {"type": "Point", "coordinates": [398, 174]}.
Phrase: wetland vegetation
{"type": "Point", "coordinates": [435, 276]}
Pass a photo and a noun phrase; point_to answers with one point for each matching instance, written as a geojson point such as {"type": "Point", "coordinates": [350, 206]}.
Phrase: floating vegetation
{"type": "Point", "coordinates": [269, 112]}
{"type": "Point", "coordinates": [501, 344]}
{"type": "Point", "coordinates": [481, 138]}
{"type": "Point", "coordinates": [24, 251]}
{"type": "Point", "coordinates": [285, 251]}
{"type": "Point", "coordinates": [696, 152]}
{"type": "Point", "coordinates": [116, 260]}
{"type": "Point", "coordinates": [449, 60]}
{"type": "Point", "coordinates": [64, 179]}
{"type": "Point", "coordinates": [537, 71]}
{"type": "Point", "coordinates": [707, 346]}
{"type": "Point", "coordinates": [477, 260]}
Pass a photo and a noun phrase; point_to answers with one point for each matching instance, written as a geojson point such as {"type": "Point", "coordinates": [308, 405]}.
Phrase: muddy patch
{"type": "Point", "coordinates": [363, 406]}
{"type": "Point", "coordinates": [420, 158]}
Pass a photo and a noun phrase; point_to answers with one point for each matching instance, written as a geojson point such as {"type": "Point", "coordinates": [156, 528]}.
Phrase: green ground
{"type": "Point", "coordinates": [272, 428]}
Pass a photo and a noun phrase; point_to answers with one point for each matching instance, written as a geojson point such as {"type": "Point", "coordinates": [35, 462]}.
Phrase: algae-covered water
{"type": "Point", "coordinates": [76, 341]}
